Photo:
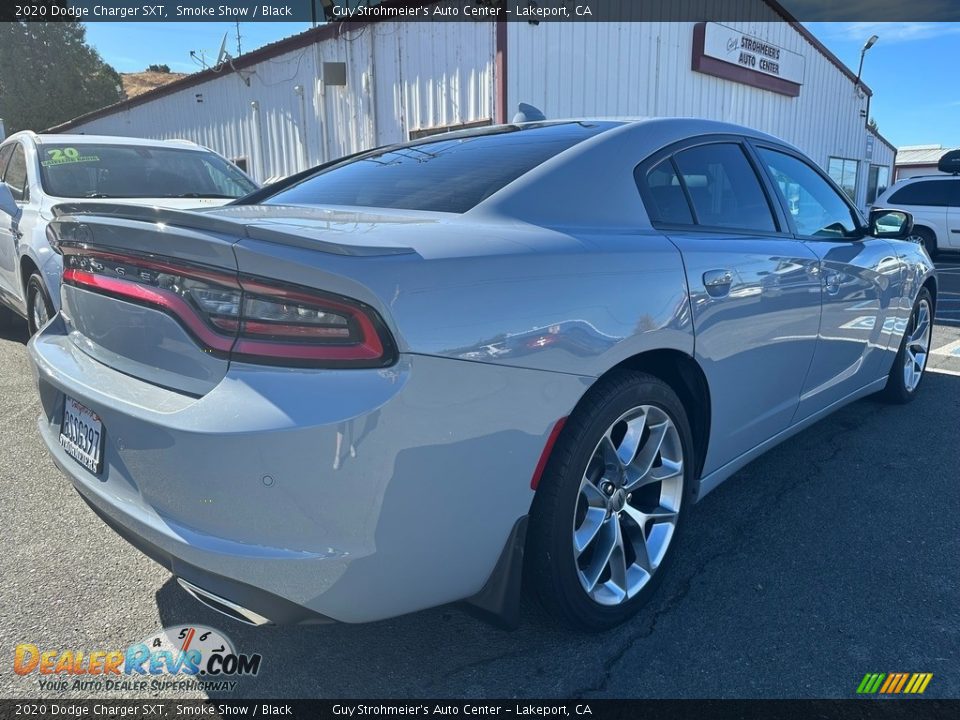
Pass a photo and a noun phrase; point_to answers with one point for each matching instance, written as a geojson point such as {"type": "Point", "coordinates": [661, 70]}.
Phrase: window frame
{"type": "Point", "coordinates": [857, 216]}
{"type": "Point", "coordinates": [775, 206]}
{"type": "Point", "coordinates": [876, 191]}
{"type": "Point", "coordinates": [856, 174]}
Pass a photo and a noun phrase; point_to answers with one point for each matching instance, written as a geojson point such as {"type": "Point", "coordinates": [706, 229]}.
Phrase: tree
{"type": "Point", "coordinates": [158, 68]}
{"type": "Point", "coordinates": [873, 125]}
{"type": "Point", "coordinates": [49, 74]}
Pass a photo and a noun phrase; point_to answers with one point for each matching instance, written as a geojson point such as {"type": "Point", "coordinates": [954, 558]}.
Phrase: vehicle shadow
{"type": "Point", "coordinates": [854, 518]}
{"type": "Point", "coordinates": [15, 331]}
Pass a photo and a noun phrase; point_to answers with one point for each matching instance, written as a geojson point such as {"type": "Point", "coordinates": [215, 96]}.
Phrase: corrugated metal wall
{"type": "Point", "coordinates": [639, 69]}
{"type": "Point", "coordinates": [400, 77]}
{"type": "Point", "coordinates": [406, 76]}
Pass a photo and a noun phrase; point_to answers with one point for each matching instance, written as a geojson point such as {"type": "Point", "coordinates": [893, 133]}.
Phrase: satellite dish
{"type": "Point", "coordinates": [528, 113]}
{"type": "Point", "coordinates": [223, 55]}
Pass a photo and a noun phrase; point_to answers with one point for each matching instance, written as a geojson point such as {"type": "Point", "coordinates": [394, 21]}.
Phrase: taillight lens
{"type": "Point", "coordinates": [247, 318]}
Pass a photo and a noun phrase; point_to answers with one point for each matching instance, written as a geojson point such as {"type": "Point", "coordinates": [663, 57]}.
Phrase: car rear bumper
{"type": "Point", "coordinates": [354, 494]}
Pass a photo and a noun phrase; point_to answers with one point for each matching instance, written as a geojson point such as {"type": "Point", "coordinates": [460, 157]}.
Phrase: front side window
{"type": "Point", "coordinates": [843, 172]}
{"type": "Point", "coordinates": [932, 193]}
{"type": "Point", "coordinates": [16, 175]}
{"type": "Point", "coordinates": [723, 188]}
{"type": "Point", "coordinates": [94, 170]}
{"type": "Point", "coordinates": [816, 208]}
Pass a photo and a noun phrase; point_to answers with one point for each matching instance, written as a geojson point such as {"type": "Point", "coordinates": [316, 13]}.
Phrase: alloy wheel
{"type": "Point", "coordinates": [917, 346]}
{"type": "Point", "coordinates": [628, 505]}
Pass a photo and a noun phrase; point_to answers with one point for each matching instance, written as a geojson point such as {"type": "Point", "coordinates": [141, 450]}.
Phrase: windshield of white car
{"type": "Point", "coordinates": [452, 173]}
{"type": "Point", "coordinates": [93, 170]}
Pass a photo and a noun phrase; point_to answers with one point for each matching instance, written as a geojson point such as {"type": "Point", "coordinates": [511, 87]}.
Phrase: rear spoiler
{"type": "Point", "coordinates": [207, 222]}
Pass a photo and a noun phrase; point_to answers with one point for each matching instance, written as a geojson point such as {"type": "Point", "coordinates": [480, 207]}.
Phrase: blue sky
{"type": "Point", "coordinates": [911, 69]}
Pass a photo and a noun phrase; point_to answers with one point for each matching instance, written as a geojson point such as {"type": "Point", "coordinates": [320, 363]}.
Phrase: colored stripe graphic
{"type": "Point", "coordinates": [894, 683]}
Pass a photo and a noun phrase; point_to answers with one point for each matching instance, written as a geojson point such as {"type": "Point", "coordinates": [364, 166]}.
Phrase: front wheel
{"type": "Point", "coordinates": [613, 497]}
{"type": "Point", "coordinates": [911, 361]}
{"type": "Point", "coordinates": [39, 307]}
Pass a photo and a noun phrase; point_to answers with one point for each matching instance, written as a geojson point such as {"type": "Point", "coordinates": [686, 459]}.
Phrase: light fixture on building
{"type": "Point", "coordinates": [866, 46]}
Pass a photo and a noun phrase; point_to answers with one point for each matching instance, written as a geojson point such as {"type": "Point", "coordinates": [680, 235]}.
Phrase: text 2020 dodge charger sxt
{"type": "Point", "coordinates": [419, 374]}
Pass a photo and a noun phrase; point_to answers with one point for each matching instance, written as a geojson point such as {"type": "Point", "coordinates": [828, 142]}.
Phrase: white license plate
{"type": "Point", "coordinates": [81, 435]}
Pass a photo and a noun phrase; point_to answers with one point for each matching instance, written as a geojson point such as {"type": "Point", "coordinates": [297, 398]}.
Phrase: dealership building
{"type": "Point", "coordinates": [344, 87]}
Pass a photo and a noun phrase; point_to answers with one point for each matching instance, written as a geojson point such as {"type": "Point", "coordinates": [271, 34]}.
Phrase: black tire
{"type": "Point", "coordinates": [37, 293]}
{"type": "Point", "coordinates": [897, 390]}
{"type": "Point", "coordinates": [927, 239]}
{"type": "Point", "coordinates": [551, 568]}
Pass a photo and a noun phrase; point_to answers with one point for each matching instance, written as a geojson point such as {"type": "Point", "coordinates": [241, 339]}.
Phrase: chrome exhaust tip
{"type": "Point", "coordinates": [222, 605]}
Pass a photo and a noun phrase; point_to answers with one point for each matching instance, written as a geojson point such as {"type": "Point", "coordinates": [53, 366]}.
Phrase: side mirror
{"type": "Point", "coordinates": [7, 204]}
{"type": "Point", "coordinates": [891, 224]}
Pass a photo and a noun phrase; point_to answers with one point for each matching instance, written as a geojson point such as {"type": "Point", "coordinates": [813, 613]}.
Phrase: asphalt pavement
{"type": "Point", "coordinates": [834, 555]}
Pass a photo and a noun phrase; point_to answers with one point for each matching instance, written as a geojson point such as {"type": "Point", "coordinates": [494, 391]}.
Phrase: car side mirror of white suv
{"type": "Point", "coordinates": [7, 204]}
{"type": "Point", "coordinates": [892, 224]}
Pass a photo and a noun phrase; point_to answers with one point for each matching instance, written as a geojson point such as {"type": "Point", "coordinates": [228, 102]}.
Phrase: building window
{"type": "Point", "coordinates": [877, 182]}
{"type": "Point", "coordinates": [240, 162]}
{"type": "Point", "coordinates": [843, 172]}
{"type": "Point", "coordinates": [427, 132]}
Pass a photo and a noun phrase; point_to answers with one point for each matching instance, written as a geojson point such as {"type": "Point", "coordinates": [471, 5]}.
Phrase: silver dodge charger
{"type": "Point", "coordinates": [428, 372]}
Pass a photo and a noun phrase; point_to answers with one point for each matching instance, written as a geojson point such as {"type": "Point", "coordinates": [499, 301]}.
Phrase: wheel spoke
{"type": "Point", "coordinates": [638, 538]}
{"type": "Point", "coordinates": [588, 530]}
{"type": "Point", "coordinates": [638, 474]}
{"type": "Point", "coordinates": [607, 540]}
{"type": "Point", "coordinates": [627, 450]}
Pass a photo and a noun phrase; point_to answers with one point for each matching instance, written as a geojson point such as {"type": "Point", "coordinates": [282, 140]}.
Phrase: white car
{"type": "Point", "coordinates": [41, 171]}
{"type": "Point", "coordinates": [934, 202]}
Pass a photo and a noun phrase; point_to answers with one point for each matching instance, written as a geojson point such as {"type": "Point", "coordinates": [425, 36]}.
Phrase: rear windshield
{"type": "Point", "coordinates": [88, 170]}
{"type": "Point", "coordinates": [448, 174]}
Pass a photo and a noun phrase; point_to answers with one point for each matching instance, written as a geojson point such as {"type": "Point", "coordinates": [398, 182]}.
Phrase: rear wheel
{"type": "Point", "coordinates": [925, 237]}
{"type": "Point", "coordinates": [611, 502]}
{"type": "Point", "coordinates": [911, 361]}
{"type": "Point", "coordinates": [39, 307]}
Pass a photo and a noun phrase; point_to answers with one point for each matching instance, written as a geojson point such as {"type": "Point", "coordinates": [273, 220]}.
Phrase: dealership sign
{"type": "Point", "coordinates": [724, 52]}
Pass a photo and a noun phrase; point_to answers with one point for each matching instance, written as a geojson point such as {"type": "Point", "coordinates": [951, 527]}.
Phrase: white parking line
{"type": "Point", "coordinates": [948, 349]}
{"type": "Point", "coordinates": [941, 371]}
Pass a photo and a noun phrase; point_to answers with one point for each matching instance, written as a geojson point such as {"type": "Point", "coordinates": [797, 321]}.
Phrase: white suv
{"type": "Point", "coordinates": [38, 172]}
{"type": "Point", "coordinates": [934, 202]}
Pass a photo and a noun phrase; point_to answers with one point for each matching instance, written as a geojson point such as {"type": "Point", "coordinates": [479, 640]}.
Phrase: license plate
{"type": "Point", "coordinates": [81, 435]}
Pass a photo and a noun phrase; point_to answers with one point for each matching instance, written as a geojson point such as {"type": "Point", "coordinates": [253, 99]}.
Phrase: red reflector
{"type": "Point", "coordinates": [545, 455]}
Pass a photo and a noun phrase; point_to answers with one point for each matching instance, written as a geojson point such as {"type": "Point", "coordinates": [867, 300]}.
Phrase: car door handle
{"type": "Point", "coordinates": [717, 282]}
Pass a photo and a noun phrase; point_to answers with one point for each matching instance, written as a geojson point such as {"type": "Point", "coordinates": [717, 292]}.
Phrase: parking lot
{"type": "Point", "coordinates": [834, 555]}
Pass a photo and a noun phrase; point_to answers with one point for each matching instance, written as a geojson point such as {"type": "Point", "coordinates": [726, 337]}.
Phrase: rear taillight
{"type": "Point", "coordinates": [243, 317]}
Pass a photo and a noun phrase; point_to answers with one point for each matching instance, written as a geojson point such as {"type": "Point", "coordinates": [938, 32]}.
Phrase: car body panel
{"type": "Point", "coordinates": [366, 493]}
{"type": "Point", "coordinates": [387, 530]}
{"type": "Point", "coordinates": [942, 220]}
{"type": "Point", "coordinates": [756, 340]}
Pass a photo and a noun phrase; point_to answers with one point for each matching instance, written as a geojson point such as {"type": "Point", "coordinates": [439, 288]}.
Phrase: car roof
{"type": "Point", "coordinates": [77, 139]}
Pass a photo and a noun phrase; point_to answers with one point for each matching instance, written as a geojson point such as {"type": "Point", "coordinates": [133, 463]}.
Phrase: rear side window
{"type": "Point", "coordinates": [668, 202]}
{"type": "Point", "coordinates": [936, 193]}
{"type": "Point", "coordinates": [449, 174]}
{"type": "Point", "coordinates": [723, 188]}
{"type": "Point", "coordinates": [16, 175]}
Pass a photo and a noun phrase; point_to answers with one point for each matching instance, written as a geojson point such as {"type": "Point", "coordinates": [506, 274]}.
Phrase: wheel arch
{"type": "Point", "coordinates": [28, 266]}
{"type": "Point", "coordinates": [931, 284]}
{"type": "Point", "coordinates": [686, 378]}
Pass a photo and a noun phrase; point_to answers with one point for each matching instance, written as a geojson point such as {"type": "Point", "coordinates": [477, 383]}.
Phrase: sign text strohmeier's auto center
{"type": "Point", "coordinates": [724, 52]}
